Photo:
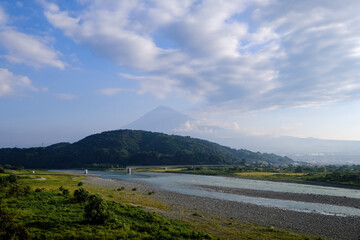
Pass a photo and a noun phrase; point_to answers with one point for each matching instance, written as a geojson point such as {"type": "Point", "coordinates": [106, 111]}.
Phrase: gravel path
{"type": "Point", "coordinates": [334, 227]}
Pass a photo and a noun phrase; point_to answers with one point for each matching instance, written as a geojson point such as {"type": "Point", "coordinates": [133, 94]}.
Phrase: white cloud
{"type": "Point", "coordinates": [11, 84]}
{"type": "Point", "coordinates": [30, 50]}
{"type": "Point", "coordinates": [27, 49]}
{"type": "Point", "coordinates": [244, 56]}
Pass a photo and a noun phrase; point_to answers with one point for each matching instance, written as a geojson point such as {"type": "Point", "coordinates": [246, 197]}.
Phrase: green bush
{"type": "Point", "coordinates": [66, 192]}
{"type": "Point", "coordinates": [96, 211]}
{"type": "Point", "coordinates": [12, 178]}
{"type": "Point", "coordinates": [81, 195]}
{"type": "Point", "coordinates": [80, 184]}
{"type": "Point", "coordinates": [15, 190]}
{"type": "Point", "coordinates": [27, 189]}
{"type": "Point", "coordinates": [10, 229]}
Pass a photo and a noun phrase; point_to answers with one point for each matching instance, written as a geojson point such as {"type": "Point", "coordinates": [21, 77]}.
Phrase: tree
{"type": "Point", "coordinates": [96, 210]}
{"type": "Point", "coordinates": [81, 195]}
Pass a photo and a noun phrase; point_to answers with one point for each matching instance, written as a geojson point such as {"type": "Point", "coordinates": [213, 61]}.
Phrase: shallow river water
{"type": "Point", "coordinates": [188, 184]}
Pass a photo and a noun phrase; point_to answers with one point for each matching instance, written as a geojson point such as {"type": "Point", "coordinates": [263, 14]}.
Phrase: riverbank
{"type": "Point", "coordinates": [334, 227]}
{"type": "Point", "coordinates": [343, 179]}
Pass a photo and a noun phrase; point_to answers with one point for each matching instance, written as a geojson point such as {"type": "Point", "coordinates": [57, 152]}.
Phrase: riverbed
{"type": "Point", "coordinates": [325, 211]}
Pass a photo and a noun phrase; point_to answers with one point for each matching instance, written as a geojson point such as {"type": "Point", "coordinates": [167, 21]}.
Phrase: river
{"type": "Point", "coordinates": [190, 185]}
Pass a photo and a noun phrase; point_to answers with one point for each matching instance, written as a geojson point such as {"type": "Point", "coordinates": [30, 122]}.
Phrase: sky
{"type": "Point", "coordinates": [69, 69]}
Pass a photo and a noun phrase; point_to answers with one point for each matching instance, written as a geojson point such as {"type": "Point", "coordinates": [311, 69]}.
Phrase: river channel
{"type": "Point", "coordinates": [190, 185]}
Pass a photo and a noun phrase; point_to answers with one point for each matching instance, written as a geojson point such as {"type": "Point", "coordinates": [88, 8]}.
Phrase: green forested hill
{"type": "Point", "coordinates": [132, 147]}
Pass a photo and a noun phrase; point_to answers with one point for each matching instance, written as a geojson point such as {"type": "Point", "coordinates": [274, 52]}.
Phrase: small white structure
{"type": "Point", "coordinates": [86, 171]}
{"type": "Point", "coordinates": [129, 170]}
{"type": "Point", "coordinates": [33, 172]}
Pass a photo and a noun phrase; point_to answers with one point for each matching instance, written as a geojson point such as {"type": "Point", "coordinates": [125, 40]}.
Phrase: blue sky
{"type": "Point", "coordinates": [267, 67]}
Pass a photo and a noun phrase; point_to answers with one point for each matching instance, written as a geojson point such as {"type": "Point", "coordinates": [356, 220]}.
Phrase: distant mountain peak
{"type": "Point", "coordinates": [164, 109]}
{"type": "Point", "coordinates": [161, 119]}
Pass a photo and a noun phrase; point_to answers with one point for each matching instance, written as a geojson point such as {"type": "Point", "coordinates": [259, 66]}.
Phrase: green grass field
{"type": "Point", "coordinates": [273, 176]}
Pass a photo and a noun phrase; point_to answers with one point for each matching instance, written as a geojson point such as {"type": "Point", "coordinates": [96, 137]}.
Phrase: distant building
{"type": "Point", "coordinates": [86, 171]}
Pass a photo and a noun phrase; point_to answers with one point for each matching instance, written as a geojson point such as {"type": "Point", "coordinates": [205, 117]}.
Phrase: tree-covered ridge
{"type": "Point", "coordinates": [133, 147]}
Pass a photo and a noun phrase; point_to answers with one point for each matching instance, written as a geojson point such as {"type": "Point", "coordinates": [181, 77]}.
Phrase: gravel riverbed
{"type": "Point", "coordinates": [313, 198]}
{"type": "Point", "coordinates": [333, 227]}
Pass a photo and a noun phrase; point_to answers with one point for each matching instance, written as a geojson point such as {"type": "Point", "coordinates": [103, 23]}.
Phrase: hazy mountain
{"type": "Point", "coordinates": [161, 119]}
{"type": "Point", "coordinates": [167, 120]}
{"type": "Point", "coordinates": [133, 147]}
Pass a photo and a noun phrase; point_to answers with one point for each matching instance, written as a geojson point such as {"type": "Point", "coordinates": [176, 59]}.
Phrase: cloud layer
{"type": "Point", "coordinates": [247, 55]}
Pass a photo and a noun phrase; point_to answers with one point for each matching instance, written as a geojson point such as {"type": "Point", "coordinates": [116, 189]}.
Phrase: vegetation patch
{"type": "Point", "coordinates": [27, 214]}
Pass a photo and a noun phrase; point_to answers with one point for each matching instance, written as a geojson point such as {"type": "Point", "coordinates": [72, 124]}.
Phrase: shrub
{"type": "Point", "coordinates": [12, 178]}
{"type": "Point", "coordinates": [80, 184]}
{"type": "Point", "coordinates": [27, 189]}
{"type": "Point", "coordinates": [195, 214]}
{"type": "Point", "coordinates": [61, 188]}
{"type": "Point", "coordinates": [15, 190]}
{"type": "Point", "coordinates": [66, 192]}
{"type": "Point", "coordinates": [134, 189]}
{"type": "Point", "coordinates": [10, 229]}
{"type": "Point", "coordinates": [271, 228]}
{"type": "Point", "coordinates": [96, 210]}
{"type": "Point", "coordinates": [81, 195]}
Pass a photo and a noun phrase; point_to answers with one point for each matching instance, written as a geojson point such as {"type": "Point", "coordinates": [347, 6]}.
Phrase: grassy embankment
{"type": "Point", "coordinates": [45, 212]}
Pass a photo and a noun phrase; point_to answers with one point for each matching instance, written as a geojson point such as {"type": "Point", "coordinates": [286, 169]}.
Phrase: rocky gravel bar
{"type": "Point", "coordinates": [313, 198]}
{"type": "Point", "coordinates": [328, 226]}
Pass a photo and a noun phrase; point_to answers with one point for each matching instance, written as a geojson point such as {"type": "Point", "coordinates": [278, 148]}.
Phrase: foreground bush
{"type": "Point", "coordinates": [96, 211]}
{"type": "Point", "coordinates": [81, 195]}
{"type": "Point", "coordinates": [10, 229]}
